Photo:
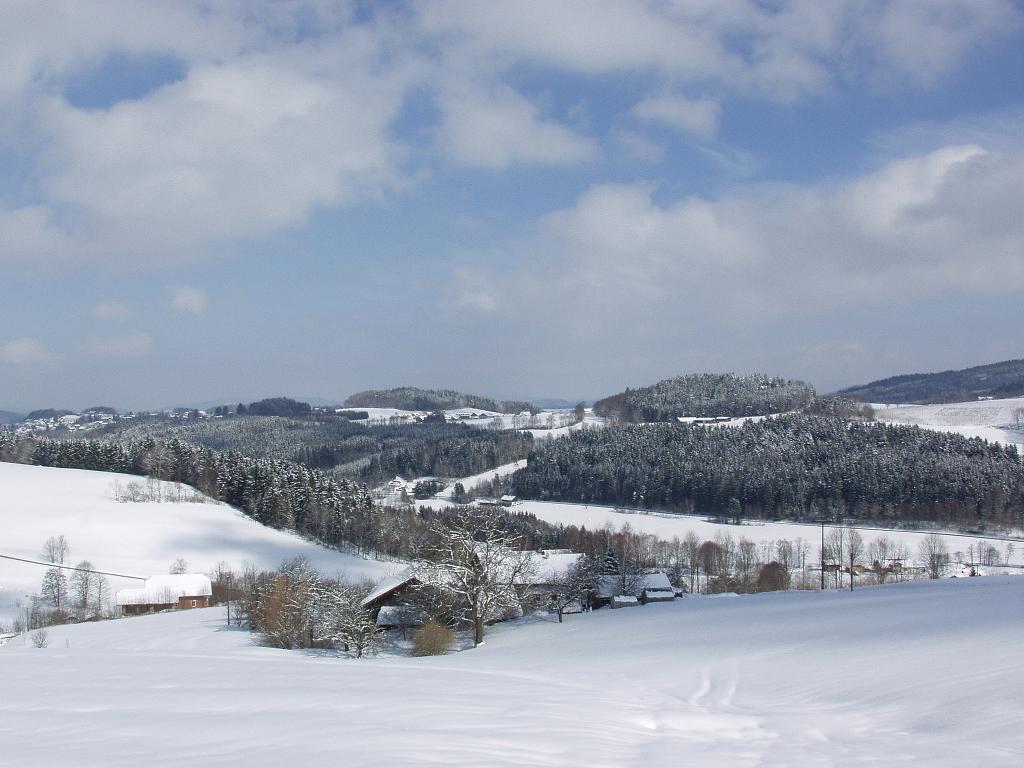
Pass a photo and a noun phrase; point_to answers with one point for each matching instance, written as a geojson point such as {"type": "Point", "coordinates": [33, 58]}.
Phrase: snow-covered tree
{"type": "Point", "coordinates": [474, 567]}
{"type": "Point", "coordinates": [574, 585]}
{"type": "Point", "coordinates": [341, 619]}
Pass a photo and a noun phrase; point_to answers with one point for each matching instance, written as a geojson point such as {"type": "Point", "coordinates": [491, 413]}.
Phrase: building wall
{"type": "Point", "coordinates": [187, 601]}
{"type": "Point", "coordinates": [184, 603]}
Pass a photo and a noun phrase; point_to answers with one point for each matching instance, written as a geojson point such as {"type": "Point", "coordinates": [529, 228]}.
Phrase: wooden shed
{"type": "Point", "coordinates": [163, 593]}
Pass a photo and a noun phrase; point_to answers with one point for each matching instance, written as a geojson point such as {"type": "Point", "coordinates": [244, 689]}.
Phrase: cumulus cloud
{"type": "Point", "coordinates": [123, 346]}
{"type": "Point", "coordinates": [282, 111]}
{"type": "Point", "coordinates": [782, 51]}
{"type": "Point", "coordinates": [500, 128]}
{"type": "Point", "coordinates": [25, 351]}
{"type": "Point", "coordinates": [111, 310]}
{"type": "Point", "coordinates": [946, 223]}
{"type": "Point", "coordinates": [186, 299]}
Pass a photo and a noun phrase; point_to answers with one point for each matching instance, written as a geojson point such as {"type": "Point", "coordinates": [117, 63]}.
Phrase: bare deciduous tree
{"type": "Point", "coordinates": [934, 555]}
{"type": "Point", "coordinates": [474, 567]}
{"type": "Point", "coordinates": [83, 585]}
{"type": "Point", "coordinates": [691, 550]}
{"type": "Point", "coordinates": [880, 556]}
{"type": "Point", "coordinates": [56, 550]}
{"type": "Point", "coordinates": [854, 552]}
{"type": "Point", "coordinates": [574, 586]}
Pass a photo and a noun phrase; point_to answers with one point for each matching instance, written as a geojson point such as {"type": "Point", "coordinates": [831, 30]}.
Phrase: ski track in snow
{"type": "Point", "coordinates": [915, 674]}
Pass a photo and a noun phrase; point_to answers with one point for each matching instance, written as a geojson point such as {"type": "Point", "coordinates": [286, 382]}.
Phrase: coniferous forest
{"type": "Point", "coordinates": [416, 399]}
{"type": "Point", "coordinates": [790, 466]}
{"type": "Point", "coordinates": [707, 395]}
{"type": "Point", "coordinates": [369, 452]}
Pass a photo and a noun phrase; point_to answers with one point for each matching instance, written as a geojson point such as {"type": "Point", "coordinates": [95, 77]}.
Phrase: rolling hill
{"type": "Point", "coordinates": [138, 539]}
{"type": "Point", "coordinates": [707, 395]}
{"type": "Point", "coordinates": [997, 380]}
{"type": "Point", "coordinates": [9, 417]}
{"type": "Point", "coordinates": [416, 399]}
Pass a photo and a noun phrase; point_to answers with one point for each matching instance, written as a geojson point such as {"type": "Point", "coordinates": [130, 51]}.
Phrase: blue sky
{"type": "Point", "coordinates": [536, 199]}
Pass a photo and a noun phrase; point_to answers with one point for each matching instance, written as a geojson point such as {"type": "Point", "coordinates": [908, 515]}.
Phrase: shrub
{"type": "Point", "coordinates": [432, 639]}
{"type": "Point", "coordinates": [40, 638]}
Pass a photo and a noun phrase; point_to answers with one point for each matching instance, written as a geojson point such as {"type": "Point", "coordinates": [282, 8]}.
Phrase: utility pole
{"type": "Point", "coordinates": [822, 521]}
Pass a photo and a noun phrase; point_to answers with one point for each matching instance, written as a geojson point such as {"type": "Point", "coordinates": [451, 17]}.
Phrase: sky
{"type": "Point", "coordinates": [225, 201]}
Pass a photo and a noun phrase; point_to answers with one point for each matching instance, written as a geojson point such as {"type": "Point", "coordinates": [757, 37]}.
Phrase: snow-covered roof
{"type": "Point", "coordinates": [610, 586]}
{"type": "Point", "coordinates": [387, 586]}
{"type": "Point", "coordinates": [167, 589]}
{"type": "Point", "coordinates": [552, 566]}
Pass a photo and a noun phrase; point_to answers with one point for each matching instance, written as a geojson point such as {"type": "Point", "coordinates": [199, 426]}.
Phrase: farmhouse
{"type": "Point", "coordinates": [386, 603]}
{"type": "Point", "coordinates": [162, 593]}
{"type": "Point", "coordinates": [645, 587]}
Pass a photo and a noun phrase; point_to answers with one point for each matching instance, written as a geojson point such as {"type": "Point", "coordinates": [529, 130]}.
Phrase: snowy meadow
{"type": "Point", "coordinates": [924, 673]}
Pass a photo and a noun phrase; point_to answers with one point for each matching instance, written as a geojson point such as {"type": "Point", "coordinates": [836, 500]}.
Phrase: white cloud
{"type": "Point", "coordinates": [235, 150]}
{"type": "Point", "coordinates": [25, 351]}
{"type": "Point", "coordinates": [636, 146]}
{"type": "Point", "coordinates": [698, 117]}
{"type": "Point", "coordinates": [111, 310]}
{"type": "Point", "coordinates": [124, 346]}
{"type": "Point", "coordinates": [30, 235]}
{"type": "Point", "coordinates": [949, 222]}
{"type": "Point", "coordinates": [499, 128]}
{"type": "Point", "coordinates": [187, 299]}
{"type": "Point", "coordinates": [475, 290]}
{"type": "Point", "coordinates": [286, 110]}
{"type": "Point", "coordinates": [782, 51]}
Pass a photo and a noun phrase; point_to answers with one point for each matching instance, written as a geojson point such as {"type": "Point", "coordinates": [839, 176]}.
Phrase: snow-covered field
{"type": "Point", "coordinates": [992, 420]}
{"type": "Point", "coordinates": [923, 673]}
{"type": "Point", "coordinates": [474, 480]}
{"type": "Point", "coordinates": [667, 526]}
{"type": "Point", "coordinates": [135, 538]}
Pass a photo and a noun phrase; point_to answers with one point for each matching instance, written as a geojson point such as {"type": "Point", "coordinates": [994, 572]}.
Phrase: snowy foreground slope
{"type": "Point", "coordinates": [924, 673]}
{"type": "Point", "coordinates": [135, 538]}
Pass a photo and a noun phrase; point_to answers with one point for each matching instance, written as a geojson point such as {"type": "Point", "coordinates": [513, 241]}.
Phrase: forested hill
{"type": "Point", "coordinates": [1005, 379]}
{"type": "Point", "coordinates": [8, 417]}
{"type": "Point", "coordinates": [416, 399]}
{"type": "Point", "coordinates": [789, 466]}
{"type": "Point", "coordinates": [707, 395]}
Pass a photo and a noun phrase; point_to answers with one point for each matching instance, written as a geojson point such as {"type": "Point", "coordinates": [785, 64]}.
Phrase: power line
{"type": "Point", "coordinates": [72, 568]}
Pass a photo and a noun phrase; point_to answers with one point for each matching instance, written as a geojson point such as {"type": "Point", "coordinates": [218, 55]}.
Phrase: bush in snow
{"type": "Point", "coordinates": [432, 639]}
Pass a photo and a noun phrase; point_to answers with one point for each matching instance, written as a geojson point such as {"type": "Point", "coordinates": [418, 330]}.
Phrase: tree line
{"type": "Point", "coordinates": [280, 494]}
{"type": "Point", "coordinates": [347, 449]}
